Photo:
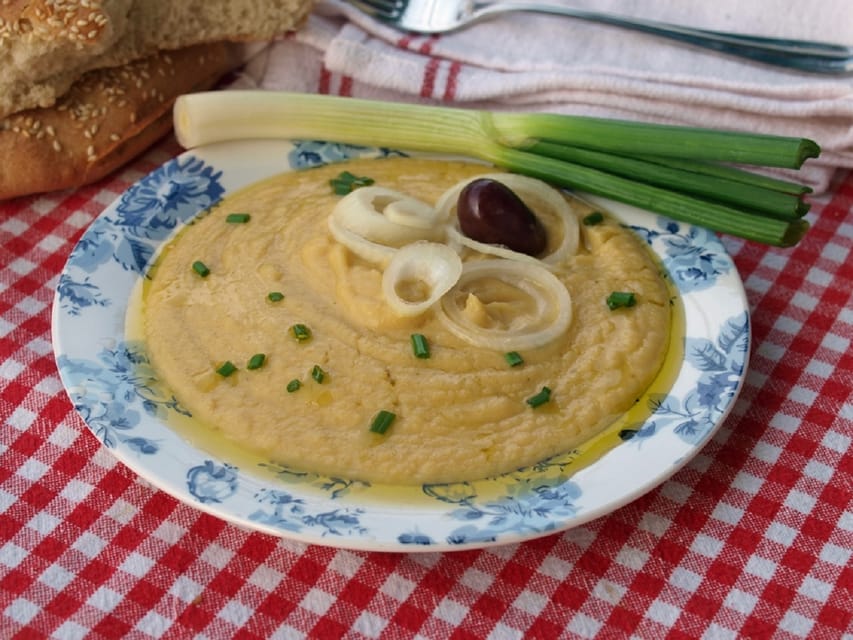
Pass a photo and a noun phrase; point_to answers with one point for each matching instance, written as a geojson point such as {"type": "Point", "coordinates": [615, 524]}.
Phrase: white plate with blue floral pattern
{"type": "Point", "coordinates": [107, 377]}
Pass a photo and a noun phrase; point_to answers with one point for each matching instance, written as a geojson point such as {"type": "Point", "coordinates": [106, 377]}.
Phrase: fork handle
{"type": "Point", "coordinates": [802, 54]}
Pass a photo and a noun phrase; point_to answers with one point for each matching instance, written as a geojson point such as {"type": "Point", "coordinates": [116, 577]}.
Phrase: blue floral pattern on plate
{"type": "Point", "coordinates": [113, 386]}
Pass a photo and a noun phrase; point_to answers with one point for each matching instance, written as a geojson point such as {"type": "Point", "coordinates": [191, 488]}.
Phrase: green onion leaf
{"type": "Point", "coordinates": [318, 374]}
{"type": "Point", "coordinates": [201, 269]}
{"type": "Point", "coordinates": [301, 332]}
{"type": "Point", "coordinates": [226, 369]}
{"type": "Point", "coordinates": [237, 218]}
{"type": "Point", "coordinates": [540, 398]}
{"type": "Point", "coordinates": [293, 385]}
{"type": "Point", "coordinates": [347, 182]}
{"type": "Point", "coordinates": [513, 358]}
{"type": "Point", "coordinates": [621, 299]}
{"type": "Point", "coordinates": [256, 361]}
{"type": "Point", "coordinates": [382, 421]}
{"type": "Point", "coordinates": [594, 218]}
{"type": "Point", "coordinates": [420, 346]}
{"type": "Point", "coordinates": [275, 296]}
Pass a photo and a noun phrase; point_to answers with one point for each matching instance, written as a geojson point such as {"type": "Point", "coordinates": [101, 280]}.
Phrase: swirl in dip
{"type": "Point", "coordinates": [463, 412]}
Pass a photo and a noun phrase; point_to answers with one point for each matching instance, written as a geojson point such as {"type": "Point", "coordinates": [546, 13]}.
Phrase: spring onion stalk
{"type": "Point", "coordinates": [510, 140]}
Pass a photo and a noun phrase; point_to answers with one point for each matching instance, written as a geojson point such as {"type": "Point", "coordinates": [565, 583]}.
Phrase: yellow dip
{"type": "Point", "coordinates": [461, 414]}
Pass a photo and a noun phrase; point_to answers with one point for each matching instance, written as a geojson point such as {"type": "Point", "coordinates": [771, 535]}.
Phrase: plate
{"type": "Point", "coordinates": [108, 378]}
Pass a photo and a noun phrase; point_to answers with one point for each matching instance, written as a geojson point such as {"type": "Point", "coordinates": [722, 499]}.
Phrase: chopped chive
{"type": "Point", "coordinates": [318, 374]}
{"type": "Point", "coordinates": [293, 385]}
{"type": "Point", "coordinates": [347, 182]}
{"type": "Point", "coordinates": [620, 299]}
{"type": "Point", "coordinates": [226, 369]}
{"type": "Point", "coordinates": [540, 398]}
{"type": "Point", "coordinates": [275, 296]}
{"type": "Point", "coordinates": [300, 332]}
{"type": "Point", "coordinates": [420, 346]}
{"type": "Point", "coordinates": [594, 218]}
{"type": "Point", "coordinates": [237, 218]}
{"type": "Point", "coordinates": [201, 269]}
{"type": "Point", "coordinates": [382, 421]}
{"type": "Point", "coordinates": [256, 361]}
{"type": "Point", "coordinates": [513, 358]}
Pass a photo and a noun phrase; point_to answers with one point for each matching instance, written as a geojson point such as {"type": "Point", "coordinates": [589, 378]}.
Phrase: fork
{"type": "Point", "coordinates": [441, 16]}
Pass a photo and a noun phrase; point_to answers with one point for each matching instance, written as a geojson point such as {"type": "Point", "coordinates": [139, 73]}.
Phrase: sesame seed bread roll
{"type": "Point", "coordinates": [106, 119]}
{"type": "Point", "coordinates": [45, 45]}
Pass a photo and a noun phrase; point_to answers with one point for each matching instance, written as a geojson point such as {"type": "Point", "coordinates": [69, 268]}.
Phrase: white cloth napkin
{"type": "Point", "coordinates": [526, 61]}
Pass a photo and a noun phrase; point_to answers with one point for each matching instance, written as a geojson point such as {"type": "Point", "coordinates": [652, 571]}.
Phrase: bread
{"type": "Point", "coordinates": [108, 117]}
{"type": "Point", "coordinates": [86, 85]}
{"type": "Point", "coordinates": [45, 45]}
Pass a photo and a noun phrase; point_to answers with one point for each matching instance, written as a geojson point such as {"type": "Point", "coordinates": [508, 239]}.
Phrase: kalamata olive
{"type": "Point", "coordinates": [492, 213]}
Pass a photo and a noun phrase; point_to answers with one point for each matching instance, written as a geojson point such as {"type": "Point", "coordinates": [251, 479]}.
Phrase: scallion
{"type": "Point", "coordinates": [382, 421]}
{"type": "Point", "coordinates": [685, 173]}
{"type": "Point", "coordinates": [293, 385]}
{"type": "Point", "coordinates": [540, 398]}
{"type": "Point", "coordinates": [201, 269]}
{"type": "Point", "coordinates": [226, 369]}
{"type": "Point", "coordinates": [300, 332]}
{"type": "Point", "coordinates": [275, 296]}
{"type": "Point", "coordinates": [256, 361]}
{"type": "Point", "coordinates": [237, 218]}
{"type": "Point", "coordinates": [346, 182]}
{"type": "Point", "coordinates": [420, 346]}
{"type": "Point", "coordinates": [621, 300]}
{"type": "Point", "coordinates": [318, 374]}
{"type": "Point", "coordinates": [594, 218]}
{"type": "Point", "coordinates": [513, 358]}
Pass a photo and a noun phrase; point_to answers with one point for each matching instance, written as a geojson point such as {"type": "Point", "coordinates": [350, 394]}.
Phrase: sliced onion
{"type": "Point", "coordinates": [538, 196]}
{"type": "Point", "coordinates": [550, 319]}
{"type": "Point", "coordinates": [360, 246]}
{"type": "Point", "coordinates": [386, 216]}
{"type": "Point", "coordinates": [434, 266]}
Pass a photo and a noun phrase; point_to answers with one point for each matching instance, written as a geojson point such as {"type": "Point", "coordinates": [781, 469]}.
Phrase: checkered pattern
{"type": "Point", "coordinates": [753, 538]}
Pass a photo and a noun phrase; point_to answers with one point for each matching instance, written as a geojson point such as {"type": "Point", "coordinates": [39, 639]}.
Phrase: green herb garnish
{"type": "Point", "coordinates": [382, 421]}
{"type": "Point", "coordinates": [275, 296]}
{"type": "Point", "coordinates": [540, 398]}
{"type": "Point", "coordinates": [621, 299]}
{"type": "Point", "coordinates": [293, 385]}
{"type": "Point", "coordinates": [513, 358]}
{"type": "Point", "coordinates": [347, 182]}
{"type": "Point", "coordinates": [201, 269]}
{"type": "Point", "coordinates": [318, 374]}
{"type": "Point", "coordinates": [301, 332]}
{"type": "Point", "coordinates": [237, 218]}
{"type": "Point", "coordinates": [594, 218]}
{"type": "Point", "coordinates": [420, 346]}
{"type": "Point", "coordinates": [256, 361]}
{"type": "Point", "coordinates": [226, 369]}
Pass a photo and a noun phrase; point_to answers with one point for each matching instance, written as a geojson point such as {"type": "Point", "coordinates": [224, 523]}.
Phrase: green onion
{"type": "Point", "coordinates": [256, 361]}
{"type": "Point", "coordinates": [513, 358]}
{"type": "Point", "coordinates": [201, 269]}
{"type": "Point", "coordinates": [300, 332]}
{"type": "Point", "coordinates": [684, 173]}
{"type": "Point", "coordinates": [540, 398]}
{"type": "Point", "coordinates": [275, 296]}
{"type": "Point", "coordinates": [226, 369]}
{"type": "Point", "coordinates": [318, 374]}
{"type": "Point", "coordinates": [293, 385]}
{"type": "Point", "coordinates": [382, 421]}
{"type": "Point", "coordinates": [594, 218]}
{"type": "Point", "coordinates": [347, 182]}
{"type": "Point", "coordinates": [621, 299]}
{"type": "Point", "coordinates": [420, 346]}
{"type": "Point", "coordinates": [237, 218]}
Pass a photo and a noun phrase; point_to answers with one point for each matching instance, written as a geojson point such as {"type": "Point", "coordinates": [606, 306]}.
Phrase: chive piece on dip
{"type": "Point", "coordinates": [226, 369]}
{"type": "Point", "coordinates": [347, 182]}
{"type": "Point", "coordinates": [300, 332]}
{"type": "Point", "coordinates": [318, 374]}
{"type": "Point", "coordinates": [420, 346]}
{"type": "Point", "coordinates": [620, 299]}
{"type": "Point", "coordinates": [201, 269]}
{"type": "Point", "coordinates": [237, 218]}
{"type": "Point", "coordinates": [382, 421]}
{"type": "Point", "coordinates": [293, 385]}
{"type": "Point", "coordinates": [256, 361]}
{"type": "Point", "coordinates": [513, 358]}
{"type": "Point", "coordinates": [540, 398]}
{"type": "Point", "coordinates": [275, 296]}
{"type": "Point", "coordinates": [594, 218]}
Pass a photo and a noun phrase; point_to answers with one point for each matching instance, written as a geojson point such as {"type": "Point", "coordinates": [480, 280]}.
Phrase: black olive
{"type": "Point", "coordinates": [492, 213]}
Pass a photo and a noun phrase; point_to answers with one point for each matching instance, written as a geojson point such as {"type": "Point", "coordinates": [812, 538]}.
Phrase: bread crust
{"type": "Point", "coordinates": [108, 117]}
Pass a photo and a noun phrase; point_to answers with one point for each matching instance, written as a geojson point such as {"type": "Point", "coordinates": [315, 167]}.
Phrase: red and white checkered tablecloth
{"type": "Point", "coordinates": [752, 539]}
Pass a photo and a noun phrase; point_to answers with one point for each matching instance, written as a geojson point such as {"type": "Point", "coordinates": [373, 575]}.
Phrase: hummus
{"type": "Point", "coordinates": [461, 414]}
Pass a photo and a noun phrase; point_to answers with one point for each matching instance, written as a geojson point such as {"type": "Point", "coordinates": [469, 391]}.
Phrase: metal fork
{"type": "Point", "coordinates": [440, 16]}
